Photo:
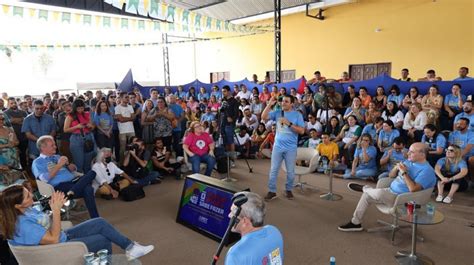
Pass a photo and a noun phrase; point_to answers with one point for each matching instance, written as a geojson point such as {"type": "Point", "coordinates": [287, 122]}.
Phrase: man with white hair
{"type": "Point", "coordinates": [57, 171]}
{"type": "Point", "coordinates": [411, 175]}
{"type": "Point", "coordinates": [259, 244]}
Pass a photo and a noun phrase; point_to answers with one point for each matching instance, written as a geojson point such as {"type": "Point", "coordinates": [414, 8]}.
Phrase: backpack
{"type": "Point", "coordinates": [132, 193]}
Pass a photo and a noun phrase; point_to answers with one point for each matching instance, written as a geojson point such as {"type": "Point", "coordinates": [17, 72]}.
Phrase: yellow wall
{"type": "Point", "coordinates": [417, 34]}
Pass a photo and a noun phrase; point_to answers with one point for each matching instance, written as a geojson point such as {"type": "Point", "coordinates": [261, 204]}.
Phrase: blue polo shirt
{"type": "Point", "coordinates": [43, 125]}
{"type": "Point", "coordinates": [286, 139]}
{"type": "Point", "coordinates": [208, 117]}
{"type": "Point", "coordinates": [371, 152]}
{"type": "Point", "coordinates": [462, 140]}
{"type": "Point", "coordinates": [453, 168]}
{"type": "Point", "coordinates": [395, 158]}
{"type": "Point", "coordinates": [421, 173]}
{"type": "Point", "coordinates": [467, 116]}
{"type": "Point", "coordinates": [433, 144]}
{"type": "Point", "coordinates": [218, 95]}
{"type": "Point", "coordinates": [177, 111]}
{"type": "Point", "coordinates": [453, 101]}
{"type": "Point", "coordinates": [41, 166]}
{"type": "Point", "coordinates": [371, 130]}
{"type": "Point", "coordinates": [31, 228]}
{"type": "Point", "coordinates": [398, 99]}
{"type": "Point", "coordinates": [264, 246]}
{"type": "Point", "coordinates": [387, 138]}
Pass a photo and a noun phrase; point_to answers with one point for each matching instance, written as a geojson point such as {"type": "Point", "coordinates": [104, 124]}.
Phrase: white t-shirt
{"type": "Point", "coordinates": [126, 112]}
{"type": "Point", "coordinates": [102, 176]}
{"type": "Point", "coordinates": [247, 95]}
{"type": "Point", "coordinates": [241, 139]}
{"type": "Point", "coordinates": [398, 117]}
{"type": "Point", "coordinates": [317, 126]}
{"type": "Point", "coordinates": [248, 121]}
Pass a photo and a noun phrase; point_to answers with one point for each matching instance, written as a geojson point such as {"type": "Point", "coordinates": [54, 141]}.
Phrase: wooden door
{"type": "Point", "coordinates": [370, 71]}
{"type": "Point", "coordinates": [384, 68]}
{"type": "Point", "coordinates": [356, 72]}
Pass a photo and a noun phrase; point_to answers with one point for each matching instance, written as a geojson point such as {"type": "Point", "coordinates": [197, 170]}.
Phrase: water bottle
{"type": "Point", "coordinates": [332, 261]}
{"type": "Point", "coordinates": [220, 141]}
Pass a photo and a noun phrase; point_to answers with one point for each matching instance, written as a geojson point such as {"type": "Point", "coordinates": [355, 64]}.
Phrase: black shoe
{"type": "Point", "coordinates": [107, 196]}
{"type": "Point", "coordinates": [350, 227]}
{"type": "Point", "coordinates": [355, 187]}
{"type": "Point", "coordinates": [270, 196]}
{"type": "Point", "coordinates": [289, 195]}
{"type": "Point", "coordinates": [155, 181]}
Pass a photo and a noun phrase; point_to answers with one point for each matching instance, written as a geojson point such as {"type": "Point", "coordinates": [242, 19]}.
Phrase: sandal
{"type": "Point", "coordinates": [439, 198]}
{"type": "Point", "coordinates": [448, 200]}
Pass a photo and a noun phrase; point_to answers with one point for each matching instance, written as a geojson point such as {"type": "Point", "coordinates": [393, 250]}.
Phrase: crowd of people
{"type": "Point", "coordinates": [102, 143]}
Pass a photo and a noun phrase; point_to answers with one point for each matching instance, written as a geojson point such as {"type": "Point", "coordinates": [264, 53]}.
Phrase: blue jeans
{"type": "Point", "coordinates": [361, 173]}
{"type": "Point", "coordinates": [152, 175]}
{"type": "Point", "coordinates": [97, 234]}
{"type": "Point", "coordinates": [229, 131]}
{"type": "Point", "coordinates": [81, 159]}
{"type": "Point", "coordinates": [277, 158]}
{"type": "Point", "coordinates": [82, 189]}
{"type": "Point", "coordinates": [196, 162]}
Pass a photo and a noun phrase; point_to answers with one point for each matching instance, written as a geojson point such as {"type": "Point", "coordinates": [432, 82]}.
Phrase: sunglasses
{"type": "Point", "coordinates": [449, 150]}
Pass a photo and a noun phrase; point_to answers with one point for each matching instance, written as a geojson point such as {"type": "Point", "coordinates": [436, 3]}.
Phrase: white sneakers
{"type": "Point", "coordinates": [137, 251]}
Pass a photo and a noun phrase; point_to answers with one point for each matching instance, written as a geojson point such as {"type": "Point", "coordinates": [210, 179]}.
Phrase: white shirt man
{"type": "Point", "coordinates": [124, 115]}
{"type": "Point", "coordinates": [250, 120]}
{"type": "Point", "coordinates": [244, 93]}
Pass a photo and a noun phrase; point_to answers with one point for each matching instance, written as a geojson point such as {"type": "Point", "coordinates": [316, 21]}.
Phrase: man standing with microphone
{"type": "Point", "coordinates": [228, 115]}
{"type": "Point", "coordinates": [289, 124]}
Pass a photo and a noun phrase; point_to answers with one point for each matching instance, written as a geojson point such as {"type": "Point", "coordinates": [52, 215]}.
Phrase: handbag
{"type": "Point", "coordinates": [132, 193]}
{"type": "Point", "coordinates": [88, 144]}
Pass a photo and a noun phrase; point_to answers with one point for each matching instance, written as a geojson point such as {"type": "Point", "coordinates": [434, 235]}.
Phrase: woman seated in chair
{"type": "Point", "coordinates": [451, 171]}
{"type": "Point", "coordinates": [364, 165]}
{"type": "Point", "coordinates": [199, 146]}
{"type": "Point", "coordinates": [160, 158]}
{"type": "Point", "coordinates": [23, 225]}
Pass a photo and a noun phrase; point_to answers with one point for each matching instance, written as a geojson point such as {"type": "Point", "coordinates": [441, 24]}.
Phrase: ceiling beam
{"type": "Point", "coordinates": [208, 5]}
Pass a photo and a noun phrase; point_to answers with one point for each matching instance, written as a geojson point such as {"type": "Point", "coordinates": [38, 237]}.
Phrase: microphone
{"type": "Point", "coordinates": [239, 199]}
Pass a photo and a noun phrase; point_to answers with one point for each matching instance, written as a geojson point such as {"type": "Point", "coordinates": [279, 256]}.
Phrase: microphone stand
{"type": "Point", "coordinates": [233, 221]}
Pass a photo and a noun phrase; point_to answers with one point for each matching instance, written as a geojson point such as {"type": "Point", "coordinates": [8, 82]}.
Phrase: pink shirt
{"type": "Point", "coordinates": [84, 119]}
{"type": "Point", "coordinates": [198, 144]}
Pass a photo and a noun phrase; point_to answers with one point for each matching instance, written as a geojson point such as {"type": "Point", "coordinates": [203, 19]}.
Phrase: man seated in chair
{"type": "Point", "coordinates": [411, 175]}
{"type": "Point", "coordinates": [57, 171]}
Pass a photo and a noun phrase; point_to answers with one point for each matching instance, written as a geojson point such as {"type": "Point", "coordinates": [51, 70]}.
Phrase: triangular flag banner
{"type": "Point", "coordinates": [6, 9]}
{"type": "Point", "coordinates": [43, 14]}
{"type": "Point", "coordinates": [18, 11]}
{"type": "Point", "coordinates": [66, 17]}
{"type": "Point", "coordinates": [87, 19]}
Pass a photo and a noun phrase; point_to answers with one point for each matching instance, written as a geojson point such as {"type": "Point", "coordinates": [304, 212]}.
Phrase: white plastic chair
{"type": "Point", "coordinates": [305, 154]}
{"type": "Point", "coordinates": [420, 197]}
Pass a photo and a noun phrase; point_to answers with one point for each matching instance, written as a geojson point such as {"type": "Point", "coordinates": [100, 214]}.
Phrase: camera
{"type": "Point", "coordinates": [130, 147]}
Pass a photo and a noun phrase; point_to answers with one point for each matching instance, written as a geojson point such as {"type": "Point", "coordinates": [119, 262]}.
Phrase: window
{"type": "Point", "coordinates": [218, 76]}
{"type": "Point", "coordinates": [359, 72]}
{"type": "Point", "coordinates": [286, 75]}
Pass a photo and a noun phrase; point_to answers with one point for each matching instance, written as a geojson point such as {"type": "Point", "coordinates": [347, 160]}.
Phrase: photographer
{"type": "Point", "coordinates": [135, 163]}
{"type": "Point", "coordinates": [229, 113]}
{"type": "Point", "coordinates": [161, 160]}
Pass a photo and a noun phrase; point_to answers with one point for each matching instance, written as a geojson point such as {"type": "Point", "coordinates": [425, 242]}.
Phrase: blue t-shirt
{"type": "Point", "coordinates": [371, 152]}
{"type": "Point", "coordinates": [398, 99]}
{"type": "Point", "coordinates": [467, 116]}
{"type": "Point", "coordinates": [387, 138]}
{"type": "Point", "coordinates": [453, 101]}
{"type": "Point", "coordinates": [362, 112]}
{"type": "Point", "coordinates": [39, 127]}
{"type": "Point", "coordinates": [202, 96]}
{"type": "Point", "coordinates": [41, 166]}
{"type": "Point", "coordinates": [208, 117]}
{"type": "Point", "coordinates": [462, 140]}
{"type": "Point", "coordinates": [177, 111]}
{"type": "Point", "coordinates": [105, 120]}
{"type": "Point", "coordinates": [453, 168]}
{"type": "Point", "coordinates": [264, 246]}
{"type": "Point", "coordinates": [218, 95]}
{"type": "Point", "coordinates": [370, 129]}
{"type": "Point", "coordinates": [286, 139]}
{"type": "Point", "coordinates": [395, 158]}
{"type": "Point", "coordinates": [433, 144]}
{"type": "Point", "coordinates": [31, 228]}
{"type": "Point", "coordinates": [421, 173]}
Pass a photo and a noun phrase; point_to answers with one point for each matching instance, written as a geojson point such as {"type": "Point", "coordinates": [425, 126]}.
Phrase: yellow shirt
{"type": "Point", "coordinates": [330, 150]}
